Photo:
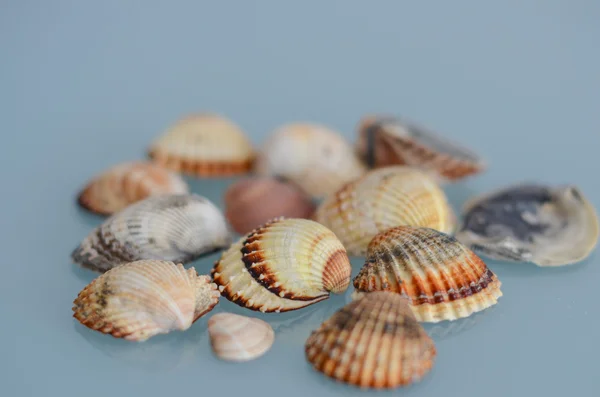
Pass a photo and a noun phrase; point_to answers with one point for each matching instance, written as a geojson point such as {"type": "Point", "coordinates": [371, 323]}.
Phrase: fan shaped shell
{"type": "Point", "coordinates": [239, 338]}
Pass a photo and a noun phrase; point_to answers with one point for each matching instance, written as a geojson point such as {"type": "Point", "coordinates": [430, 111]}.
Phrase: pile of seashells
{"type": "Point", "coordinates": [313, 200]}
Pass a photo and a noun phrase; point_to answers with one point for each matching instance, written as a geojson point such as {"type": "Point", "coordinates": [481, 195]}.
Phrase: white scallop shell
{"type": "Point", "coordinates": [239, 338]}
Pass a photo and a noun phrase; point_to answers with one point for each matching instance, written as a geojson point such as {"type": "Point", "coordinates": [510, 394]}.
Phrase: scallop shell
{"type": "Point", "coordinates": [251, 202]}
{"type": "Point", "coordinates": [373, 342]}
{"type": "Point", "coordinates": [178, 228]}
{"type": "Point", "coordinates": [239, 338]}
{"type": "Point", "coordinates": [385, 141]}
{"type": "Point", "coordinates": [549, 226]}
{"type": "Point", "coordinates": [314, 157]}
{"type": "Point", "coordinates": [141, 299]}
{"type": "Point", "coordinates": [442, 279]}
{"type": "Point", "coordinates": [125, 184]}
{"type": "Point", "coordinates": [283, 265]}
{"type": "Point", "coordinates": [204, 145]}
{"type": "Point", "coordinates": [384, 198]}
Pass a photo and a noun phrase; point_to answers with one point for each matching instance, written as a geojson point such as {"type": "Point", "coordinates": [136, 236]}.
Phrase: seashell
{"type": "Point", "coordinates": [382, 199]}
{"type": "Point", "coordinates": [283, 265]}
{"type": "Point", "coordinates": [204, 145]}
{"type": "Point", "coordinates": [442, 279]}
{"type": "Point", "coordinates": [549, 226]}
{"type": "Point", "coordinates": [239, 338]}
{"type": "Point", "coordinates": [125, 184]}
{"type": "Point", "coordinates": [138, 300]}
{"type": "Point", "coordinates": [385, 141]}
{"type": "Point", "coordinates": [178, 228]}
{"type": "Point", "coordinates": [373, 342]}
{"type": "Point", "coordinates": [314, 157]}
{"type": "Point", "coordinates": [251, 202]}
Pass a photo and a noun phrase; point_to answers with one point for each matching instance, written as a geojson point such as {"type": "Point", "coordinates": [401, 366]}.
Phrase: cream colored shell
{"type": "Point", "coordinates": [239, 338]}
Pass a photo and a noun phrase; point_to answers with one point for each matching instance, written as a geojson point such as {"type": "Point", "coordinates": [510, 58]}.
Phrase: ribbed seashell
{"type": "Point", "coordinates": [125, 184]}
{"type": "Point", "coordinates": [373, 342]}
{"type": "Point", "coordinates": [549, 226]}
{"type": "Point", "coordinates": [204, 145]}
{"type": "Point", "coordinates": [442, 278]}
{"type": "Point", "coordinates": [381, 199]}
{"type": "Point", "coordinates": [178, 228]}
{"type": "Point", "coordinates": [239, 338]}
{"type": "Point", "coordinates": [283, 265]}
{"type": "Point", "coordinates": [385, 141]}
{"type": "Point", "coordinates": [314, 157]}
{"type": "Point", "coordinates": [138, 300]}
{"type": "Point", "coordinates": [254, 201]}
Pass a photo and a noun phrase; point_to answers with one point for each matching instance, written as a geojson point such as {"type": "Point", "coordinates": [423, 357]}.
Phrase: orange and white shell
{"type": "Point", "coordinates": [239, 338]}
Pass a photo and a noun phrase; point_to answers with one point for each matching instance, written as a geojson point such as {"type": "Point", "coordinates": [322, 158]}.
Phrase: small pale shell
{"type": "Point", "coordinates": [239, 338]}
{"type": "Point", "coordinates": [138, 300]}
{"type": "Point", "coordinates": [125, 184]}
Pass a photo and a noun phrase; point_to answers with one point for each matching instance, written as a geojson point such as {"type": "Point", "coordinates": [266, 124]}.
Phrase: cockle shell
{"type": "Point", "coordinates": [385, 141]}
{"type": "Point", "coordinates": [314, 157]}
{"type": "Point", "coordinates": [253, 201]}
{"type": "Point", "coordinates": [239, 338]}
{"type": "Point", "coordinates": [138, 300]}
{"type": "Point", "coordinates": [283, 265]}
{"type": "Point", "coordinates": [179, 228]}
{"type": "Point", "coordinates": [204, 145]}
{"type": "Point", "coordinates": [549, 226]}
{"type": "Point", "coordinates": [442, 278]}
{"type": "Point", "coordinates": [381, 199]}
{"type": "Point", "coordinates": [373, 342]}
{"type": "Point", "coordinates": [125, 184]}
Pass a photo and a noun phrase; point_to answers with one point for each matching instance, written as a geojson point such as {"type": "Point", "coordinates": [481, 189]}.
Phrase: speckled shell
{"type": "Point", "coordinates": [251, 202]}
{"type": "Point", "coordinates": [374, 342]}
{"type": "Point", "coordinates": [442, 279]}
{"type": "Point", "coordinates": [138, 300]}
{"type": "Point", "coordinates": [385, 141]}
{"type": "Point", "coordinates": [384, 198]}
{"type": "Point", "coordinates": [549, 226]}
{"type": "Point", "coordinates": [204, 145]}
{"type": "Point", "coordinates": [314, 157]}
{"type": "Point", "coordinates": [283, 265]}
{"type": "Point", "coordinates": [125, 184]}
{"type": "Point", "coordinates": [239, 338]}
{"type": "Point", "coordinates": [178, 228]}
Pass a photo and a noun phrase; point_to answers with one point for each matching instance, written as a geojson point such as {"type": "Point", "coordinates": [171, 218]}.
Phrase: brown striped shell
{"type": "Point", "coordinates": [442, 279]}
{"type": "Point", "coordinates": [283, 265]}
{"type": "Point", "coordinates": [373, 342]}
{"type": "Point", "coordinates": [239, 338]}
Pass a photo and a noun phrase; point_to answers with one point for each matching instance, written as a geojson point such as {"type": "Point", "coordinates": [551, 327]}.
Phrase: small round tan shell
{"type": "Point", "coordinates": [138, 300]}
{"type": "Point", "coordinates": [204, 145]}
{"type": "Point", "coordinates": [283, 265]}
{"type": "Point", "coordinates": [239, 338]}
{"type": "Point", "coordinates": [312, 156]}
{"type": "Point", "coordinates": [125, 184]}
{"type": "Point", "coordinates": [373, 342]}
{"type": "Point", "coordinates": [382, 199]}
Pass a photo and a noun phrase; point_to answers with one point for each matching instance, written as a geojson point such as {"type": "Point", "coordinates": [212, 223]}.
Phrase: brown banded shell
{"type": "Point", "coordinates": [125, 184]}
{"type": "Point", "coordinates": [283, 265]}
{"type": "Point", "coordinates": [312, 156]}
{"type": "Point", "coordinates": [442, 279]}
{"type": "Point", "coordinates": [239, 338]}
{"type": "Point", "coordinates": [373, 342]}
{"type": "Point", "coordinates": [204, 145]}
{"type": "Point", "coordinates": [179, 228]}
{"type": "Point", "coordinates": [381, 199]}
{"type": "Point", "coordinates": [138, 300]}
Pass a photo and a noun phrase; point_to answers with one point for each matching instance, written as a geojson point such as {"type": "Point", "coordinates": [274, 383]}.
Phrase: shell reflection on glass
{"type": "Point", "coordinates": [177, 228]}
{"type": "Point", "coordinates": [312, 156]}
{"type": "Point", "coordinates": [286, 264]}
{"type": "Point", "coordinates": [549, 226]}
{"type": "Point", "coordinates": [442, 279]}
{"type": "Point", "coordinates": [373, 342]}
{"type": "Point", "coordinates": [381, 199]}
{"type": "Point", "coordinates": [125, 184]}
{"type": "Point", "coordinates": [239, 338]}
{"type": "Point", "coordinates": [138, 300]}
{"type": "Point", "coordinates": [204, 145]}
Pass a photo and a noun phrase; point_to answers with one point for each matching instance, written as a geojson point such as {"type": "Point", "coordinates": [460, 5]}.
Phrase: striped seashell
{"type": "Point", "coordinates": [239, 338]}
